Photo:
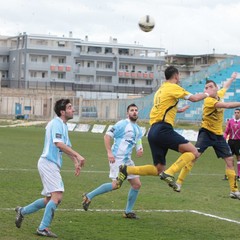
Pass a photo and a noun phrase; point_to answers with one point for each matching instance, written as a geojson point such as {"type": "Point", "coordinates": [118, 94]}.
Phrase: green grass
{"type": "Point", "coordinates": [204, 191]}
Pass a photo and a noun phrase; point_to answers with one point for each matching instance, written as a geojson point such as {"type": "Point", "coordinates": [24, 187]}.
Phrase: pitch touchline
{"type": "Point", "coordinates": [146, 211]}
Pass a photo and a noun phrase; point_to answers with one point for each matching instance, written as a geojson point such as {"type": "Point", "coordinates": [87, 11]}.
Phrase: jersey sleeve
{"type": "Point", "coordinates": [180, 92]}
{"type": "Point", "coordinates": [221, 92]}
{"type": "Point", "coordinates": [115, 130]}
{"type": "Point", "coordinates": [57, 132]}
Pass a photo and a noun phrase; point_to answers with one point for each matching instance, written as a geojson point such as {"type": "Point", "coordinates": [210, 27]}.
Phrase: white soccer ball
{"type": "Point", "coordinates": [146, 23]}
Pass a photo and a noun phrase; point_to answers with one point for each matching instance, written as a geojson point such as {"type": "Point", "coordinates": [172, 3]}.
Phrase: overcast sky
{"type": "Point", "coordinates": [182, 26]}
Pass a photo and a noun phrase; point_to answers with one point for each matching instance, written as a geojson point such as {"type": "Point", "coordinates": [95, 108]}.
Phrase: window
{"type": "Point", "coordinates": [94, 49]}
{"type": "Point", "coordinates": [123, 81]}
{"type": "Point", "coordinates": [149, 68]}
{"type": "Point", "coordinates": [148, 82]}
{"type": "Point", "coordinates": [123, 51]}
{"type": "Point", "coordinates": [108, 50]}
{"type": "Point", "coordinates": [33, 74]}
{"type": "Point", "coordinates": [123, 67]}
{"type": "Point", "coordinates": [61, 60]}
{"type": "Point", "coordinates": [5, 59]}
{"type": "Point", "coordinates": [108, 65]}
{"type": "Point", "coordinates": [61, 43]}
{"type": "Point", "coordinates": [34, 59]}
{"type": "Point", "coordinates": [61, 75]}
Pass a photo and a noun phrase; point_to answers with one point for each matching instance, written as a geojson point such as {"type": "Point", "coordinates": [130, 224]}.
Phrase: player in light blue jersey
{"type": "Point", "coordinates": [56, 143]}
{"type": "Point", "coordinates": [127, 135]}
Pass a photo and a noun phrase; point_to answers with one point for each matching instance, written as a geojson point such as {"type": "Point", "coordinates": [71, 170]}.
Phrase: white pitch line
{"type": "Point", "coordinates": [91, 171]}
{"type": "Point", "coordinates": [146, 211]}
{"type": "Point", "coordinates": [35, 170]}
{"type": "Point", "coordinates": [213, 216]}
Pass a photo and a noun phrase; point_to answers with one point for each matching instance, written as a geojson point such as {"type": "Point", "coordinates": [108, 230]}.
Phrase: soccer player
{"type": "Point", "coordinates": [56, 143]}
{"type": "Point", "coordinates": [232, 135]}
{"type": "Point", "coordinates": [211, 134]}
{"type": "Point", "coordinates": [162, 136]}
{"type": "Point", "coordinates": [127, 135]}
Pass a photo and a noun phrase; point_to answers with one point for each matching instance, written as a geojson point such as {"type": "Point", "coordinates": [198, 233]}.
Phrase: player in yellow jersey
{"type": "Point", "coordinates": [211, 134]}
{"type": "Point", "coordinates": [162, 136]}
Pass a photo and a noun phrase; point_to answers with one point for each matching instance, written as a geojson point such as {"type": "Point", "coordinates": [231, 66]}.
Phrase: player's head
{"type": "Point", "coordinates": [60, 105]}
{"type": "Point", "coordinates": [132, 112]}
{"type": "Point", "coordinates": [171, 73]}
{"type": "Point", "coordinates": [237, 113]}
{"type": "Point", "coordinates": [210, 84]}
{"type": "Point", "coordinates": [211, 81]}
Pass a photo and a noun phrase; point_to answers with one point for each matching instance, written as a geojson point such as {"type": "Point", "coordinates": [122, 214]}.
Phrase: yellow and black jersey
{"type": "Point", "coordinates": [165, 103]}
{"type": "Point", "coordinates": [213, 117]}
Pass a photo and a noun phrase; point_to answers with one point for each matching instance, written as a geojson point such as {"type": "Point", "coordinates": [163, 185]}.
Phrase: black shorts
{"type": "Point", "coordinates": [208, 139]}
{"type": "Point", "coordinates": [235, 146]}
{"type": "Point", "coordinates": [162, 137]}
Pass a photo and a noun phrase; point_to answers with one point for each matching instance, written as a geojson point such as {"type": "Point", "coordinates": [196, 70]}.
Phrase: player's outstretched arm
{"type": "Point", "coordinates": [228, 83]}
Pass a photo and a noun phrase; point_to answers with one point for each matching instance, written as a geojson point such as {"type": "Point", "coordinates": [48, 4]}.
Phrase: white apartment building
{"type": "Point", "coordinates": [51, 62]}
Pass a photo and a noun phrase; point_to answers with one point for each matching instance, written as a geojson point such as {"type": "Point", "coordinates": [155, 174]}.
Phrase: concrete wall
{"type": "Point", "coordinates": [39, 104]}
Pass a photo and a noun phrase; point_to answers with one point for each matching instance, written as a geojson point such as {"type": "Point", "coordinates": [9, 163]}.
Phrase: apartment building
{"type": "Point", "coordinates": [51, 62]}
{"type": "Point", "coordinates": [188, 65]}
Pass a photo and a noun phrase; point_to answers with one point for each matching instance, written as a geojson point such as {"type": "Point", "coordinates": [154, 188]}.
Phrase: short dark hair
{"type": "Point", "coordinates": [131, 105]}
{"type": "Point", "coordinates": [237, 109]}
{"type": "Point", "coordinates": [60, 105]}
{"type": "Point", "coordinates": [170, 71]}
{"type": "Point", "coordinates": [211, 81]}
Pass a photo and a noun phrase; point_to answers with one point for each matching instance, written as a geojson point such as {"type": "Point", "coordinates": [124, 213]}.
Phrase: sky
{"type": "Point", "coordinates": [181, 26]}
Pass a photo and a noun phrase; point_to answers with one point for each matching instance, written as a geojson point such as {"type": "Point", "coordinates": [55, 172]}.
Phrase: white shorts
{"type": "Point", "coordinates": [114, 169]}
{"type": "Point", "coordinates": [50, 176]}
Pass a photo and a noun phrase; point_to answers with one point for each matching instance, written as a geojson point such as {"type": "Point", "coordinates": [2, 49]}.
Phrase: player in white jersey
{"type": "Point", "coordinates": [127, 135]}
{"type": "Point", "coordinates": [56, 143]}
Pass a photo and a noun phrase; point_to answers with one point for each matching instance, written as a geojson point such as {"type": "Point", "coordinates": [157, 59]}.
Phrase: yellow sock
{"type": "Point", "coordinates": [143, 170]}
{"type": "Point", "coordinates": [232, 179]}
{"type": "Point", "coordinates": [184, 172]}
{"type": "Point", "coordinates": [183, 160]}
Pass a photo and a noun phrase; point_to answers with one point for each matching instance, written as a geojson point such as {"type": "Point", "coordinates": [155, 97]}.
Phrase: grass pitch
{"type": "Point", "coordinates": [202, 210]}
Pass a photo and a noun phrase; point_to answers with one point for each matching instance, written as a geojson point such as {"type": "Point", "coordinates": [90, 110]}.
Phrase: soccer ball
{"type": "Point", "coordinates": [146, 23]}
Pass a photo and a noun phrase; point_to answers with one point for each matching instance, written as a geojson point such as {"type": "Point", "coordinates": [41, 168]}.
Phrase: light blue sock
{"type": "Point", "coordinates": [106, 187]}
{"type": "Point", "coordinates": [48, 215]}
{"type": "Point", "coordinates": [132, 197]}
{"type": "Point", "coordinates": [33, 207]}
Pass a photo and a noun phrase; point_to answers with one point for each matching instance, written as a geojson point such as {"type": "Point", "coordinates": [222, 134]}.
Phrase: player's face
{"type": "Point", "coordinates": [177, 77]}
{"type": "Point", "coordinates": [133, 113]}
{"type": "Point", "coordinates": [237, 114]}
{"type": "Point", "coordinates": [69, 111]}
{"type": "Point", "coordinates": [211, 86]}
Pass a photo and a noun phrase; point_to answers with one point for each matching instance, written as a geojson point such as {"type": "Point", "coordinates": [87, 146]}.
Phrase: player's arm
{"type": "Point", "coordinates": [228, 83]}
{"type": "Point", "coordinates": [139, 148]}
{"type": "Point", "coordinates": [183, 109]}
{"type": "Point", "coordinates": [227, 104]}
{"type": "Point", "coordinates": [226, 132]}
{"type": "Point", "coordinates": [76, 157]}
{"type": "Point", "coordinates": [200, 96]}
{"type": "Point", "coordinates": [107, 143]}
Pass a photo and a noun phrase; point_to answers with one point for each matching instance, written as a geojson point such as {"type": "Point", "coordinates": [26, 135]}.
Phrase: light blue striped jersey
{"type": "Point", "coordinates": [126, 135]}
{"type": "Point", "coordinates": [56, 131]}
